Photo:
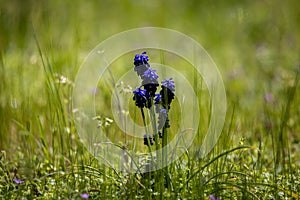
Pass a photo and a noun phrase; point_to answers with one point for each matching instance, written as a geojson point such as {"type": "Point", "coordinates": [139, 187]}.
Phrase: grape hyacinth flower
{"type": "Point", "coordinates": [141, 63]}
{"type": "Point", "coordinates": [150, 82]}
{"type": "Point", "coordinates": [145, 96]}
{"type": "Point", "coordinates": [149, 76]}
{"type": "Point", "coordinates": [140, 97]}
{"type": "Point", "coordinates": [168, 83]}
{"type": "Point", "coordinates": [167, 92]}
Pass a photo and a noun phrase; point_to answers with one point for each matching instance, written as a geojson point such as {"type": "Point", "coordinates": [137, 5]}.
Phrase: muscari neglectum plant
{"type": "Point", "coordinates": [157, 103]}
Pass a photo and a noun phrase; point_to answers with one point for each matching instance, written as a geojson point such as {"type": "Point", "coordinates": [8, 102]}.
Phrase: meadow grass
{"type": "Point", "coordinates": [256, 46]}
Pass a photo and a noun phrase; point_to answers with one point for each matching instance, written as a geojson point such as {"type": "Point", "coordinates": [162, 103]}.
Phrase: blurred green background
{"type": "Point", "coordinates": [255, 44]}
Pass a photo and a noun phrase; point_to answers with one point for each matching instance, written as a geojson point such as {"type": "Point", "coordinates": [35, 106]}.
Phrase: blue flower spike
{"type": "Point", "coordinates": [168, 83]}
{"type": "Point", "coordinates": [167, 92]}
{"type": "Point", "coordinates": [150, 75]}
{"type": "Point", "coordinates": [147, 96]}
{"type": "Point", "coordinates": [140, 97]}
{"type": "Point", "coordinates": [150, 82]}
{"type": "Point", "coordinates": [141, 63]}
{"type": "Point", "coordinates": [140, 59]}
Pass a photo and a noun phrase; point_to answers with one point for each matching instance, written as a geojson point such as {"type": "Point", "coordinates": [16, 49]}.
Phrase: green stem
{"type": "Point", "coordinates": [147, 132]}
{"type": "Point", "coordinates": [164, 146]}
{"type": "Point", "coordinates": [155, 134]}
{"type": "Point", "coordinates": [165, 155]}
{"type": "Point", "coordinates": [159, 175]}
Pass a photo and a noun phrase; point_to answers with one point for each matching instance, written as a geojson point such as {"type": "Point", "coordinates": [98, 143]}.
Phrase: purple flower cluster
{"type": "Point", "coordinates": [84, 196]}
{"type": "Point", "coordinates": [213, 197]}
{"type": "Point", "coordinates": [164, 99]}
{"type": "Point", "coordinates": [19, 181]}
{"type": "Point", "coordinates": [169, 84]}
{"type": "Point", "coordinates": [141, 64]}
{"type": "Point", "coordinates": [148, 75]}
{"type": "Point", "coordinates": [167, 92]}
{"type": "Point", "coordinates": [141, 98]}
{"type": "Point", "coordinates": [147, 96]}
{"type": "Point", "coordinates": [150, 82]}
{"type": "Point", "coordinates": [140, 59]}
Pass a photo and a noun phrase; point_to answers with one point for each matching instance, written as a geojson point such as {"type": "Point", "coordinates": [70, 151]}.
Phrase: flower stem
{"type": "Point", "coordinates": [155, 135]}
{"type": "Point", "coordinates": [146, 130]}
{"type": "Point", "coordinates": [165, 155]}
